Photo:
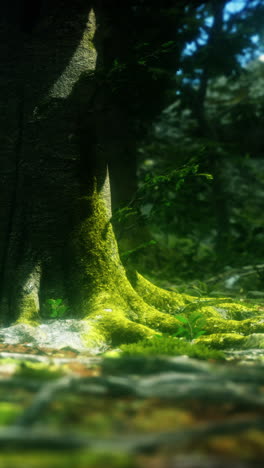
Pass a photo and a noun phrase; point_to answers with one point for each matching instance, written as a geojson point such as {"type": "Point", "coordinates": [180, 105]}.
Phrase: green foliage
{"type": "Point", "coordinates": [130, 252]}
{"type": "Point", "coordinates": [56, 308]}
{"type": "Point", "coordinates": [172, 346]}
{"type": "Point", "coordinates": [175, 176]}
{"type": "Point", "coordinates": [123, 214]}
{"type": "Point", "coordinates": [191, 326]}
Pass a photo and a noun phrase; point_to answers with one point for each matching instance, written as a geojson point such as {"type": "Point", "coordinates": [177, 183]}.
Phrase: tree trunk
{"type": "Point", "coordinates": [49, 60]}
{"type": "Point", "coordinates": [56, 238]}
{"type": "Point", "coordinates": [216, 164]}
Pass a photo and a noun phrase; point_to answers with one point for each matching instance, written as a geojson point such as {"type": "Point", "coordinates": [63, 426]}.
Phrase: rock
{"type": "Point", "coordinates": [255, 340]}
{"type": "Point", "coordinates": [53, 333]}
{"type": "Point", "coordinates": [20, 333]}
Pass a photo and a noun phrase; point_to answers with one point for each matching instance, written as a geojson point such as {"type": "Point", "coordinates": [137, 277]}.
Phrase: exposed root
{"type": "Point", "coordinates": [126, 318]}
{"type": "Point", "coordinates": [125, 315]}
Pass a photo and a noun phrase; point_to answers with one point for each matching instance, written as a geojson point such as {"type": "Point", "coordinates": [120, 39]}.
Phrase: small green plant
{"type": "Point", "coordinates": [192, 326]}
{"type": "Point", "coordinates": [56, 308]}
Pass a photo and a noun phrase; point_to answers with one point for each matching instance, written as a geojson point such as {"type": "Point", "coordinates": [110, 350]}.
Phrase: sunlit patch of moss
{"type": "Point", "coordinates": [165, 301]}
{"type": "Point", "coordinates": [221, 340]}
{"type": "Point", "coordinates": [170, 346]}
{"type": "Point", "coordinates": [39, 370]}
{"type": "Point", "coordinates": [112, 329]}
{"type": "Point", "coordinates": [107, 280]}
{"type": "Point", "coordinates": [9, 412]}
{"type": "Point", "coordinates": [206, 311]}
{"type": "Point", "coordinates": [10, 364]}
{"type": "Point", "coordinates": [255, 340]}
{"type": "Point", "coordinates": [220, 307]}
{"type": "Point", "coordinates": [218, 325]}
{"type": "Point", "coordinates": [171, 302]}
{"type": "Point", "coordinates": [253, 325]}
{"type": "Point", "coordinates": [237, 310]}
{"type": "Point", "coordinates": [29, 309]}
{"type": "Point", "coordinates": [243, 327]}
{"type": "Point", "coordinates": [126, 318]}
{"type": "Point", "coordinates": [123, 309]}
{"type": "Point", "coordinates": [112, 326]}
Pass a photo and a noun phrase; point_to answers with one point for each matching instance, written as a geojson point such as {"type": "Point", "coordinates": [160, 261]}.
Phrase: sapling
{"type": "Point", "coordinates": [56, 308]}
{"type": "Point", "coordinates": [192, 326]}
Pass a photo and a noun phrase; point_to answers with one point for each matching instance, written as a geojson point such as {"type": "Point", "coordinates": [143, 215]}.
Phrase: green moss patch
{"type": "Point", "coordinates": [39, 370]}
{"type": "Point", "coordinates": [222, 340]}
{"type": "Point", "coordinates": [170, 346]}
{"type": "Point", "coordinates": [9, 412]}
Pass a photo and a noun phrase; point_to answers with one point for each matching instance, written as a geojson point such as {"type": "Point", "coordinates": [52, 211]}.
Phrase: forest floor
{"type": "Point", "coordinates": [64, 408]}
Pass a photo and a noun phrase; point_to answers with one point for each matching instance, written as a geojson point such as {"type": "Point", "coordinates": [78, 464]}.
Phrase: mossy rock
{"type": "Point", "coordinates": [256, 340]}
{"type": "Point", "coordinates": [222, 340]}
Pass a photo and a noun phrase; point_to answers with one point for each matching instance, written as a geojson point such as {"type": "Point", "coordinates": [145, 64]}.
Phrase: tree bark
{"type": "Point", "coordinates": [58, 136]}
{"type": "Point", "coordinates": [48, 62]}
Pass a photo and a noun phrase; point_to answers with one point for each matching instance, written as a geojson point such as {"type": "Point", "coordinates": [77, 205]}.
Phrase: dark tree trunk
{"type": "Point", "coordinates": [58, 134]}
{"type": "Point", "coordinates": [48, 59]}
{"type": "Point", "coordinates": [216, 163]}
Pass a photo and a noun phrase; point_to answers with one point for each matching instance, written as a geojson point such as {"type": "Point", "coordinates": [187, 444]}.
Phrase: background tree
{"type": "Point", "coordinates": [215, 123]}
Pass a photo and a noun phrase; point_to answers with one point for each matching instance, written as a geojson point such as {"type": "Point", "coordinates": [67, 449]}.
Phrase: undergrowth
{"type": "Point", "coordinates": [167, 345]}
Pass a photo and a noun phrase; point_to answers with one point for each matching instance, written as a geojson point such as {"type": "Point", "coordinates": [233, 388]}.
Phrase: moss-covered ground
{"type": "Point", "coordinates": [124, 307]}
{"type": "Point", "coordinates": [129, 408]}
{"type": "Point", "coordinates": [147, 310]}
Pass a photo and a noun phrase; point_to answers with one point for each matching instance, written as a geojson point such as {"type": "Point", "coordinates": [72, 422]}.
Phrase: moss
{"type": "Point", "coordinates": [165, 301]}
{"type": "Point", "coordinates": [88, 36]}
{"type": "Point", "coordinates": [236, 310]}
{"type": "Point", "coordinates": [222, 340]}
{"type": "Point", "coordinates": [94, 245]}
{"type": "Point", "coordinates": [171, 302]}
{"type": "Point", "coordinates": [9, 412]}
{"type": "Point", "coordinates": [39, 370]}
{"type": "Point", "coordinates": [111, 325]}
{"type": "Point", "coordinates": [220, 307]}
{"type": "Point", "coordinates": [114, 309]}
{"type": "Point", "coordinates": [121, 309]}
{"type": "Point", "coordinates": [254, 341]}
{"type": "Point", "coordinates": [78, 459]}
{"type": "Point", "coordinates": [119, 329]}
{"type": "Point", "coordinates": [28, 309]}
{"type": "Point", "coordinates": [252, 325]}
{"type": "Point", "coordinates": [170, 346]}
{"type": "Point", "coordinates": [218, 325]}
{"type": "Point", "coordinates": [207, 311]}
{"type": "Point", "coordinates": [243, 327]}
